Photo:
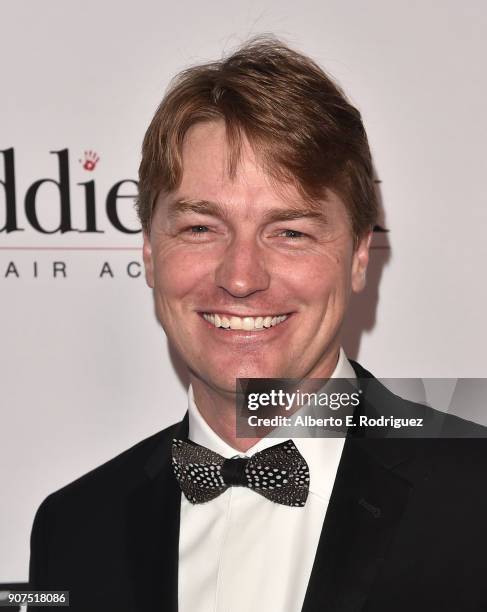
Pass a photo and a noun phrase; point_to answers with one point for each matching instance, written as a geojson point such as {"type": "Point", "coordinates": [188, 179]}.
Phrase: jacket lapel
{"type": "Point", "coordinates": [366, 505]}
{"type": "Point", "coordinates": [368, 499]}
{"type": "Point", "coordinates": [153, 531]}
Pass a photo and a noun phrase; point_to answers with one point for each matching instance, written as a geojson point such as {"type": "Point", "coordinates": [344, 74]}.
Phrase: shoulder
{"type": "Point", "coordinates": [91, 514]}
{"type": "Point", "coordinates": [435, 423]}
{"type": "Point", "coordinates": [445, 460]}
{"type": "Point", "coordinates": [115, 479]}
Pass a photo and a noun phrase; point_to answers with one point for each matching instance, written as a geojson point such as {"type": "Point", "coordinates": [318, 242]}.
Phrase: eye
{"type": "Point", "coordinates": [293, 234]}
{"type": "Point", "coordinates": [194, 233]}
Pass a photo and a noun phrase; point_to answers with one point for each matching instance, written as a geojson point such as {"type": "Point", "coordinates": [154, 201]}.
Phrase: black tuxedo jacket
{"type": "Point", "coordinates": [405, 530]}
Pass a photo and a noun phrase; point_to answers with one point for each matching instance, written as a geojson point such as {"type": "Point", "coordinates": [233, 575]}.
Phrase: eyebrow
{"type": "Point", "coordinates": [293, 214]}
{"type": "Point", "coordinates": [183, 206]}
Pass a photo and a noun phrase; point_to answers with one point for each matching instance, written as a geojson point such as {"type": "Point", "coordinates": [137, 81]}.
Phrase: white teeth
{"type": "Point", "coordinates": [235, 323]}
{"type": "Point", "coordinates": [248, 323]}
{"type": "Point", "coordinates": [245, 323]}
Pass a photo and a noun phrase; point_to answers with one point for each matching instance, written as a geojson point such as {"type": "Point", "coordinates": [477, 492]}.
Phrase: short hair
{"type": "Point", "coordinates": [298, 121]}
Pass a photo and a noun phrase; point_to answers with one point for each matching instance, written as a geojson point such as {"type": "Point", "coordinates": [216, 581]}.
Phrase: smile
{"type": "Point", "coordinates": [246, 323]}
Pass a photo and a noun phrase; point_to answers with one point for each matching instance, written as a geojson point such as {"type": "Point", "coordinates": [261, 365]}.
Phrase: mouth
{"type": "Point", "coordinates": [257, 324]}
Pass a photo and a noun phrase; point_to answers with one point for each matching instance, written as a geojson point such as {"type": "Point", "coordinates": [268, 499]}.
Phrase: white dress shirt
{"type": "Point", "coordinates": [242, 552]}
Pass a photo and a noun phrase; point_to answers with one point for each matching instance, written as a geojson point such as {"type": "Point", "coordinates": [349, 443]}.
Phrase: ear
{"type": "Point", "coordinates": [360, 261]}
{"type": "Point", "coordinates": [148, 264]}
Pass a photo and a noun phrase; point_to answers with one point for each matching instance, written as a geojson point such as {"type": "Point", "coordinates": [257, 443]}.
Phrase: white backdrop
{"type": "Point", "coordinates": [84, 368]}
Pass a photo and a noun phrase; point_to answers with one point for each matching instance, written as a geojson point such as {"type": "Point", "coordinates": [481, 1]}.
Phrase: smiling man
{"type": "Point", "coordinates": [250, 278]}
{"type": "Point", "coordinates": [257, 203]}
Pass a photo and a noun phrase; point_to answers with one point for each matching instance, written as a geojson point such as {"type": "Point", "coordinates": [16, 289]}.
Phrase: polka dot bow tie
{"type": "Point", "coordinates": [279, 473]}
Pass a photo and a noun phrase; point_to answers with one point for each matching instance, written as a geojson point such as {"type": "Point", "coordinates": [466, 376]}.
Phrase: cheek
{"type": "Point", "coordinates": [320, 278]}
{"type": "Point", "coordinates": [179, 273]}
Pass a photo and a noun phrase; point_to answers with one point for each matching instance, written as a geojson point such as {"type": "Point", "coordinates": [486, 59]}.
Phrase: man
{"type": "Point", "coordinates": [257, 203]}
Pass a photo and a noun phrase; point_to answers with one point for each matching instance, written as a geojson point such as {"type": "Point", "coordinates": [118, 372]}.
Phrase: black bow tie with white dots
{"type": "Point", "coordinates": [279, 473]}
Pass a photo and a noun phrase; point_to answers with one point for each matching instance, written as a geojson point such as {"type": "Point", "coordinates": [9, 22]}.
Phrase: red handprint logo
{"type": "Point", "coordinates": [90, 160]}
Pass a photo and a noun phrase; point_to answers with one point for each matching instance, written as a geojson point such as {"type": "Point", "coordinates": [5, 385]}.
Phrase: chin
{"type": "Point", "coordinates": [228, 384]}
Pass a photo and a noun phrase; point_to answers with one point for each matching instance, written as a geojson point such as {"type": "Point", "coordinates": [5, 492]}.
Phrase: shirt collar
{"type": "Point", "coordinates": [321, 454]}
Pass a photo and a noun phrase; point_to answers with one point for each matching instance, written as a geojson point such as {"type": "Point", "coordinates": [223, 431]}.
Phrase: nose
{"type": "Point", "coordinates": [242, 270]}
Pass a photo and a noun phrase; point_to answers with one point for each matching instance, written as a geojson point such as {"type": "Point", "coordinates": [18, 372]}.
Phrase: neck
{"type": "Point", "coordinates": [218, 407]}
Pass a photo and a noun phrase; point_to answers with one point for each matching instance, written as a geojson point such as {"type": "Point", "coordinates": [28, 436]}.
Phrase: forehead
{"type": "Point", "coordinates": [246, 192]}
{"type": "Point", "coordinates": [206, 158]}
